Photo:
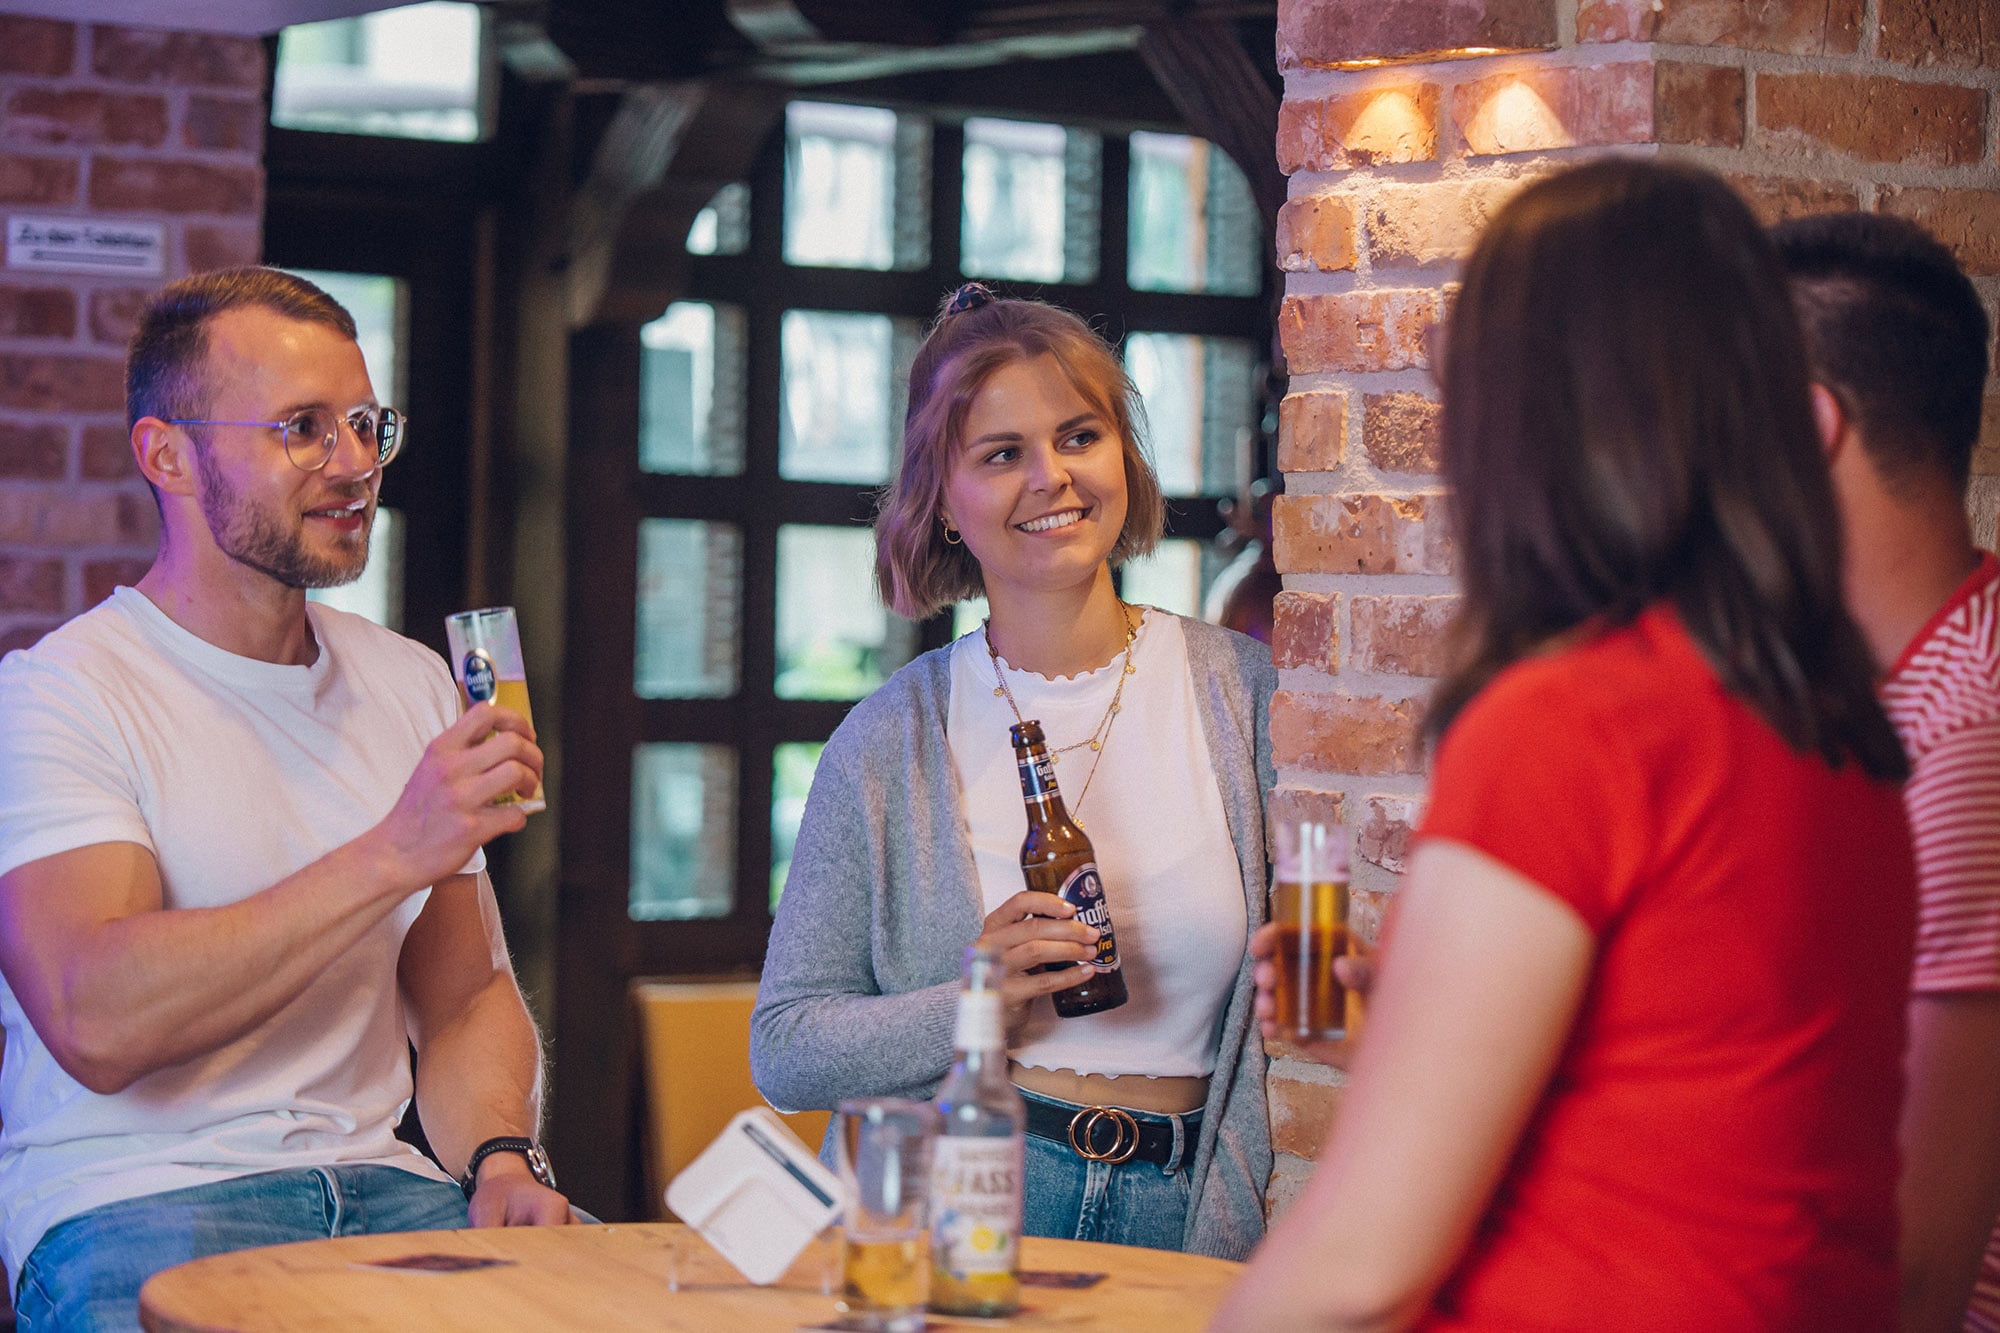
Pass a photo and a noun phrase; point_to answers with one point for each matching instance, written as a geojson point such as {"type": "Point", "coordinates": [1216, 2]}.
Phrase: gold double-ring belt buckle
{"type": "Point", "coordinates": [1125, 1136]}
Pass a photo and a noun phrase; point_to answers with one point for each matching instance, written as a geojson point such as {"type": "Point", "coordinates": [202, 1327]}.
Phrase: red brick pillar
{"type": "Point", "coordinates": [1405, 124]}
{"type": "Point", "coordinates": [113, 123]}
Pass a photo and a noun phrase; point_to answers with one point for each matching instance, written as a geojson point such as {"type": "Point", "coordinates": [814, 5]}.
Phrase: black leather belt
{"type": "Point", "coordinates": [1112, 1133]}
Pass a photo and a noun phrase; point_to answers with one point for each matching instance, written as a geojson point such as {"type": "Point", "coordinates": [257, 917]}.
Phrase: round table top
{"type": "Point", "coordinates": [653, 1275]}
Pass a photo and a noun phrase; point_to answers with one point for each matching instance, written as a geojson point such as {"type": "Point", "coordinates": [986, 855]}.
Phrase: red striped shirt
{"type": "Point", "coordinates": [1944, 699]}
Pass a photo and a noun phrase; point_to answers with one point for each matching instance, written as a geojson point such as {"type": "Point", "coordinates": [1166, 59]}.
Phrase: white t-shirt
{"type": "Point", "coordinates": [1154, 815]}
{"type": "Point", "coordinates": [121, 726]}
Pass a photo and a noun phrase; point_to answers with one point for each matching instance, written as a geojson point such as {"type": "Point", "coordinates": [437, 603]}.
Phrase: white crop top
{"type": "Point", "coordinates": [1154, 815]}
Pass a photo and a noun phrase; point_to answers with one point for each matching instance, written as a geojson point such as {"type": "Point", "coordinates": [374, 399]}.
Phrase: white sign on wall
{"type": "Point", "coordinates": [87, 245]}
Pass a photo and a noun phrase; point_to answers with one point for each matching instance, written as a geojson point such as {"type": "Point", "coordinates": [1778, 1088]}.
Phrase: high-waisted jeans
{"type": "Point", "coordinates": [1133, 1203]}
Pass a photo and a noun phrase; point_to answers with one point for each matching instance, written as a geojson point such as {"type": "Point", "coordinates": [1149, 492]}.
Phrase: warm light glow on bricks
{"type": "Point", "coordinates": [1514, 118]}
{"type": "Point", "coordinates": [1392, 125]}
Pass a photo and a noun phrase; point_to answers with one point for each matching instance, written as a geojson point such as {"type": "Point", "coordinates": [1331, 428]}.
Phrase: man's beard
{"type": "Point", "coordinates": [252, 537]}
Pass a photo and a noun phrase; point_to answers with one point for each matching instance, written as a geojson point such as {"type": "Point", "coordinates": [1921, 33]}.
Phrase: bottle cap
{"type": "Point", "coordinates": [1310, 852]}
{"type": "Point", "coordinates": [1026, 733]}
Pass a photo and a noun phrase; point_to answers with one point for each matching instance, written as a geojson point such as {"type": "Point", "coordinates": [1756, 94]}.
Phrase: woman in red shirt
{"type": "Point", "coordinates": [1632, 1060]}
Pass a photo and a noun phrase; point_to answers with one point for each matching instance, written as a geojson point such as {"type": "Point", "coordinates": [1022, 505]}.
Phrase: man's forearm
{"type": "Point", "coordinates": [118, 987]}
{"type": "Point", "coordinates": [145, 988]}
{"type": "Point", "coordinates": [481, 1075]}
{"type": "Point", "coordinates": [1950, 1189]}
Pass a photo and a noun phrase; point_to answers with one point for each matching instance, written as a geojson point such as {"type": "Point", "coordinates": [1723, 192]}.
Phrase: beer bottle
{"type": "Point", "coordinates": [1057, 858]}
{"type": "Point", "coordinates": [976, 1168]}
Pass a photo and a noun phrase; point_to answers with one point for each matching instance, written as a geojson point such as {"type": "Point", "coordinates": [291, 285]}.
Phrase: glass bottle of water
{"type": "Point", "coordinates": [976, 1160]}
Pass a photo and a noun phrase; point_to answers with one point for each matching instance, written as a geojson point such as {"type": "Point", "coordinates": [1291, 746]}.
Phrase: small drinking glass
{"type": "Point", "coordinates": [1309, 907]}
{"type": "Point", "coordinates": [883, 1152]}
{"type": "Point", "coordinates": [486, 661]}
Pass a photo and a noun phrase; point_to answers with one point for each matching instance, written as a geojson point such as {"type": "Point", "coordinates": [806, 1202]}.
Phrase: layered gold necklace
{"type": "Point", "coordinates": [1101, 734]}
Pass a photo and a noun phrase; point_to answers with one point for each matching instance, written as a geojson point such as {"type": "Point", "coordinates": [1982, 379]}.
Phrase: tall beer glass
{"type": "Point", "coordinates": [1309, 908]}
{"type": "Point", "coordinates": [486, 661]}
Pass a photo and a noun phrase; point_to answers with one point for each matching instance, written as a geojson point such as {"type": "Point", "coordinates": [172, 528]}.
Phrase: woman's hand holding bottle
{"type": "Point", "coordinates": [1031, 930]}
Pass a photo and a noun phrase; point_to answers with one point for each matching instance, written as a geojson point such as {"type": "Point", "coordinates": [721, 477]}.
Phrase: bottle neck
{"type": "Point", "coordinates": [1038, 781]}
{"type": "Point", "coordinates": [980, 1037]}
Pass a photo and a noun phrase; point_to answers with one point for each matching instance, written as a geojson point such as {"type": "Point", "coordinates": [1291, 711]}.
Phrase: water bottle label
{"type": "Point", "coordinates": [976, 1204]}
{"type": "Point", "coordinates": [1085, 891]}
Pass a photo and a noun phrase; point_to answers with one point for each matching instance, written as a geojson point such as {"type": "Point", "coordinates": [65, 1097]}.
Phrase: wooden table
{"type": "Point", "coordinates": [654, 1275]}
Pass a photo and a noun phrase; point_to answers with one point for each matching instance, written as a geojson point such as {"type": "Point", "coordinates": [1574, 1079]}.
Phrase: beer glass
{"type": "Point", "coordinates": [883, 1151]}
{"type": "Point", "coordinates": [486, 661]}
{"type": "Point", "coordinates": [1309, 908]}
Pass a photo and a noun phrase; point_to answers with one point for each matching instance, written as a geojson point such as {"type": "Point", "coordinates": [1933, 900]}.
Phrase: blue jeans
{"type": "Point", "coordinates": [85, 1273]}
{"type": "Point", "coordinates": [1134, 1203]}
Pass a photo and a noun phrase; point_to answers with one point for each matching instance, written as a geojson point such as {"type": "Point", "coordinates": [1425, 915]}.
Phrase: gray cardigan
{"type": "Point", "coordinates": [860, 984]}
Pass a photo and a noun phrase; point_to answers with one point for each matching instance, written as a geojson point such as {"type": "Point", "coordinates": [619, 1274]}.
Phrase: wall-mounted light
{"type": "Point", "coordinates": [1366, 34]}
{"type": "Point", "coordinates": [1428, 57]}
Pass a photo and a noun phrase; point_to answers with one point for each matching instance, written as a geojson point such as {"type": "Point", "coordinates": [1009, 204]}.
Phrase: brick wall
{"type": "Point", "coordinates": [124, 123]}
{"type": "Point", "coordinates": [1405, 124]}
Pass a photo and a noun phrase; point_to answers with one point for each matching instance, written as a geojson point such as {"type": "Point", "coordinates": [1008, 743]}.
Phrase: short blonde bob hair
{"type": "Point", "coordinates": [918, 572]}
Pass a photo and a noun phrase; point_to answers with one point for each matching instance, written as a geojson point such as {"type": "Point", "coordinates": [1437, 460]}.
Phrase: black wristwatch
{"type": "Point", "coordinates": [538, 1161]}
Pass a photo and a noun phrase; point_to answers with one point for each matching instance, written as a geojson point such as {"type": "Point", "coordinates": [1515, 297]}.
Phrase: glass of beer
{"type": "Point", "coordinates": [883, 1152]}
{"type": "Point", "coordinates": [1309, 908]}
{"type": "Point", "coordinates": [486, 661]}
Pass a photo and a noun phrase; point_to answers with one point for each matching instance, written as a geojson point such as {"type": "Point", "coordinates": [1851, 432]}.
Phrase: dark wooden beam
{"type": "Point", "coordinates": [811, 42]}
{"type": "Point", "coordinates": [1113, 89]}
{"type": "Point", "coordinates": [631, 159]}
{"type": "Point", "coordinates": [1224, 96]}
{"type": "Point", "coordinates": [665, 154]}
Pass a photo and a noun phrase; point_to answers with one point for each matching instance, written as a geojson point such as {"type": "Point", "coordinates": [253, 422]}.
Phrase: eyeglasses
{"type": "Point", "coordinates": [310, 435]}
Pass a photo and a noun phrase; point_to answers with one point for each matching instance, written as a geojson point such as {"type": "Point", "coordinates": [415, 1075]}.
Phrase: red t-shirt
{"type": "Point", "coordinates": [1716, 1147]}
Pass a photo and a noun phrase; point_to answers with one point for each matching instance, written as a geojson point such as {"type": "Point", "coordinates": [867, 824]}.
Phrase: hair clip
{"type": "Point", "coordinates": [969, 297]}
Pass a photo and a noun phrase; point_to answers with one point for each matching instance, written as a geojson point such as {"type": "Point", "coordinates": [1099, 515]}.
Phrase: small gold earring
{"type": "Point", "coordinates": [951, 537]}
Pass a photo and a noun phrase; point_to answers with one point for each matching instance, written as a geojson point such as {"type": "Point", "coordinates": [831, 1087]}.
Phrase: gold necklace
{"type": "Point", "coordinates": [1098, 737]}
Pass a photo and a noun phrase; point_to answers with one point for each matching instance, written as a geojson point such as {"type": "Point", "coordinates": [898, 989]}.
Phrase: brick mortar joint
{"type": "Point", "coordinates": [1364, 585]}
{"type": "Point", "coordinates": [1356, 788]}
{"type": "Point", "coordinates": [1754, 62]}
{"type": "Point", "coordinates": [1457, 169]}
{"type": "Point", "coordinates": [1376, 685]}
{"type": "Point", "coordinates": [1292, 1167]}
{"type": "Point", "coordinates": [88, 80]}
{"type": "Point", "coordinates": [1832, 168]}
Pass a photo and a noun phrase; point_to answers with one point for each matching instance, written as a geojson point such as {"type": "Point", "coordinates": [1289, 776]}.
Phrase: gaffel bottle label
{"type": "Point", "coordinates": [1038, 776]}
{"type": "Point", "coordinates": [1084, 891]}
{"type": "Point", "coordinates": [479, 679]}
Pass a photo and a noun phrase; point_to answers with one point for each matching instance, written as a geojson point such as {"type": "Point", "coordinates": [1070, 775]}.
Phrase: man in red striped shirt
{"type": "Point", "coordinates": [1898, 341]}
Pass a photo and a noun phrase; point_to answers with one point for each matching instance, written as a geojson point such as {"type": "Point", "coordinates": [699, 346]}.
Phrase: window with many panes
{"type": "Point", "coordinates": [761, 411]}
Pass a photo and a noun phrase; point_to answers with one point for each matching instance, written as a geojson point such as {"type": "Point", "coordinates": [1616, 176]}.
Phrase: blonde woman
{"type": "Point", "coordinates": [1023, 479]}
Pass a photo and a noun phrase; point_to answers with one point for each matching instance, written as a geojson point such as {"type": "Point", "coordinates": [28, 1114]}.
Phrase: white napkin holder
{"type": "Point", "coordinates": [758, 1195]}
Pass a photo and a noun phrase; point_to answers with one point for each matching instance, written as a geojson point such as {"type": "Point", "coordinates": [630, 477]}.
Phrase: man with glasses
{"type": "Point", "coordinates": [240, 855]}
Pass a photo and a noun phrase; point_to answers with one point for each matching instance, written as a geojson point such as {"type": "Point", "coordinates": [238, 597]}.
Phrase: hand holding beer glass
{"type": "Point", "coordinates": [1308, 952]}
{"type": "Point", "coordinates": [883, 1152]}
{"type": "Point", "coordinates": [486, 661]}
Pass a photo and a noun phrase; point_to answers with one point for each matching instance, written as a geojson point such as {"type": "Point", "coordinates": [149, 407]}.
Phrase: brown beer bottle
{"type": "Point", "coordinates": [1057, 858]}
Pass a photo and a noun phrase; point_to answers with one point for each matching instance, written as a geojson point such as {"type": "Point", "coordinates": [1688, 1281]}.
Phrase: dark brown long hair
{"type": "Point", "coordinates": [1626, 420]}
